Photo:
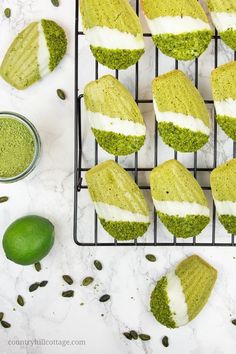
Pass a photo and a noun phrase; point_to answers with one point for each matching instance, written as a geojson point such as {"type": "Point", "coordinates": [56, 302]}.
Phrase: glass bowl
{"type": "Point", "coordinates": [37, 146]}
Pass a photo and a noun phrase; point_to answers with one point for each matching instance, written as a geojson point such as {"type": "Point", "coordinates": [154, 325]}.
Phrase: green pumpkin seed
{"type": "Point", "coordinates": [104, 298]}
{"type": "Point", "coordinates": [61, 94]}
{"type": "Point", "coordinates": [37, 266]}
{"type": "Point", "coordinates": [134, 334]}
{"type": "Point", "coordinates": [144, 337]}
{"type": "Point", "coordinates": [87, 281]}
{"type": "Point", "coordinates": [68, 279]}
{"type": "Point", "coordinates": [3, 199]}
{"type": "Point", "coordinates": [234, 322]}
{"type": "Point", "coordinates": [20, 300]}
{"type": "Point", "coordinates": [128, 335]}
{"type": "Point", "coordinates": [151, 257]}
{"type": "Point", "coordinates": [69, 293]}
{"type": "Point", "coordinates": [33, 287]}
{"type": "Point", "coordinates": [97, 264]}
{"type": "Point", "coordinates": [165, 341]}
{"type": "Point", "coordinates": [7, 12]}
{"type": "Point", "coordinates": [55, 3]}
{"type": "Point", "coordinates": [1, 316]}
{"type": "Point", "coordinates": [5, 324]}
{"type": "Point", "coordinates": [43, 283]}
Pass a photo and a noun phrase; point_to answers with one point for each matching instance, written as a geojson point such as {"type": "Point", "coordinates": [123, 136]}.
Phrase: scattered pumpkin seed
{"type": "Point", "coordinates": [5, 324]}
{"type": "Point", "coordinates": [37, 266]}
{"type": "Point", "coordinates": [68, 293]}
{"type": "Point", "coordinates": [3, 199]}
{"type": "Point", "coordinates": [7, 12]}
{"type": "Point", "coordinates": [55, 3]}
{"type": "Point", "coordinates": [128, 335]}
{"type": "Point", "coordinates": [68, 279]}
{"type": "Point", "coordinates": [61, 94]}
{"type": "Point", "coordinates": [234, 322]}
{"type": "Point", "coordinates": [97, 264]}
{"type": "Point", "coordinates": [87, 281]}
{"type": "Point", "coordinates": [1, 316]}
{"type": "Point", "coordinates": [151, 257]}
{"type": "Point", "coordinates": [134, 334]}
{"type": "Point", "coordinates": [43, 283]}
{"type": "Point", "coordinates": [20, 300]}
{"type": "Point", "coordinates": [144, 337]}
{"type": "Point", "coordinates": [104, 298]}
{"type": "Point", "coordinates": [33, 287]}
{"type": "Point", "coordinates": [165, 341]}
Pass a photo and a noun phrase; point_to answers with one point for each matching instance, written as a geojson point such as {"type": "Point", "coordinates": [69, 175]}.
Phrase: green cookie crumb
{"type": "Point", "coordinates": [228, 124]}
{"type": "Point", "coordinates": [229, 222]}
{"type": "Point", "coordinates": [229, 37]}
{"type": "Point", "coordinates": [125, 230]}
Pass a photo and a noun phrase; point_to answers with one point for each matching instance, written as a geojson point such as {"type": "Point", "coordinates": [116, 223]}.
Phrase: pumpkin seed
{"type": "Point", "coordinates": [37, 266]}
{"type": "Point", "coordinates": [87, 281]}
{"type": "Point", "coordinates": [7, 12]}
{"type": "Point", "coordinates": [104, 298]}
{"type": "Point", "coordinates": [128, 335]}
{"type": "Point", "coordinates": [20, 300]}
{"type": "Point", "coordinates": [151, 257]}
{"type": "Point", "coordinates": [43, 283]}
{"type": "Point", "coordinates": [68, 279]}
{"type": "Point", "coordinates": [69, 293]}
{"type": "Point", "coordinates": [55, 3]}
{"type": "Point", "coordinates": [3, 199]}
{"type": "Point", "coordinates": [5, 324]}
{"type": "Point", "coordinates": [1, 316]}
{"type": "Point", "coordinates": [234, 322]}
{"type": "Point", "coordinates": [134, 334]}
{"type": "Point", "coordinates": [144, 337]}
{"type": "Point", "coordinates": [61, 94]}
{"type": "Point", "coordinates": [97, 264]}
{"type": "Point", "coordinates": [165, 341]}
{"type": "Point", "coordinates": [33, 287]}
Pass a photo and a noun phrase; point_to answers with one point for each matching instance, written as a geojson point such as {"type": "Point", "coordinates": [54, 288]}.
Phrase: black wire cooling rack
{"type": "Point", "coordinates": [79, 185]}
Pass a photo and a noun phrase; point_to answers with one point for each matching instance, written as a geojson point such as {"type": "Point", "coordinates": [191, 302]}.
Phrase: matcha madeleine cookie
{"type": "Point", "coordinates": [179, 200]}
{"type": "Point", "coordinates": [119, 203]}
{"type": "Point", "coordinates": [223, 14]}
{"type": "Point", "coordinates": [223, 81]}
{"type": "Point", "coordinates": [35, 52]}
{"type": "Point", "coordinates": [183, 119]}
{"type": "Point", "coordinates": [181, 294]}
{"type": "Point", "coordinates": [114, 116]}
{"type": "Point", "coordinates": [223, 185]}
{"type": "Point", "coordinates": [179, 28]}
{"type": "Point", "coordinates": [113, 31]}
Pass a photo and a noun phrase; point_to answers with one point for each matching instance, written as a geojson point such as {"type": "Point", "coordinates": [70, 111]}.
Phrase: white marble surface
{"type": "Point", "coordinates": [127, 276]}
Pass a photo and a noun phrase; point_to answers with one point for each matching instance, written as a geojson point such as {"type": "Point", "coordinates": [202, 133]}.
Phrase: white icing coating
{"type": "Point", "coordinates": [177, 303]}
{"type": "Point", "coordinates": [176, 25]}
{"type": "Point", "coordinates": [181, 209]}
{"type": "Point", "coordinates": [43, 53]}
{"type": "Point", "coordinates": [224, 20]}
{"type": "Point", "coordinates": [181, 120]}
{"type": "Point", "coordinates": [226, 107]}
{"type": "Point", "coordinates": [113, 39]}
{"type": "Point", "coordinates": [116, 125]}
{"type": "Point", "coordinates": [114, 213]}
{"type": "Point", "coordinates": [225, 207]}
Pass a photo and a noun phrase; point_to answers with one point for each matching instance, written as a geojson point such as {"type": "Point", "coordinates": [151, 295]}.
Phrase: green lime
{"type": "Point", "coordinates": [28, 239]}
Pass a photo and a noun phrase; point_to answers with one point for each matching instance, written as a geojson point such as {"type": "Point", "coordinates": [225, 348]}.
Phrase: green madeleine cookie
{"type": "Point", "coordinates": [182, 115]}
{"type": "Point", "coordinates": [189, 285]}
{"type": "Point", "coordinates": [120, 205]}
{"type": "Point", "coordinates": [184, 44]}
{"type": "Point", "coordinates": [223, 81]}
{"type": "Point", "coordinates": [221, 12]}
{"type": "Point", "coordinates": [223, 185]}
{"type": "Point", "coordinates": [113, 19]}
{"type": "Point", "coordinates": [35, 52]}
{"type": "Point", "coordinates": [115, 118]}
{"type": "Point", "coordinates": [179, 200]}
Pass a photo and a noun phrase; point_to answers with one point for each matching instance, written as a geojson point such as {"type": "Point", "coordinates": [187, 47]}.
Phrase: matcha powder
{"type": "Point", "coordinates": [17, 147]}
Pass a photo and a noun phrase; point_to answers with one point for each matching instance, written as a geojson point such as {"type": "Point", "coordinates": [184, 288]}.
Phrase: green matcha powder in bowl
{"type": "Point", "coordinates": [19, 147]}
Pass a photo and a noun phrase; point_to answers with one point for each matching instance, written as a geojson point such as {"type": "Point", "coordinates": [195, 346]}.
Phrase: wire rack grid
{"type": "Point", "coordinates": [79, 186]}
